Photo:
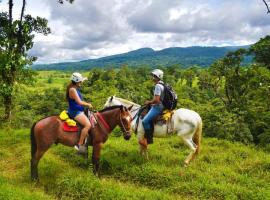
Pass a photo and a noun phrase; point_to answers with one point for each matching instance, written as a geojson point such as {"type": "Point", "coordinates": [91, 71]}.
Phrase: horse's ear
{"type": "Point", "coordinates": [111, 98]}
{"type": "Point", "coordinates": [130, 107]}
{"type": "Point", "coordinates": [121, 107]}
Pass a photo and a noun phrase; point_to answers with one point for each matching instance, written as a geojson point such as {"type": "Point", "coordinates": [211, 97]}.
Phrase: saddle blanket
{"type": "Point", "coordinates": [68, 128]}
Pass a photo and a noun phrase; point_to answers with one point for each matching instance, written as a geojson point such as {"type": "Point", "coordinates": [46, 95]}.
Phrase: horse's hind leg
{"type": "Point", "coordinates": [192, 147]}
{"type": "Point", "coordinates": [34, 163]}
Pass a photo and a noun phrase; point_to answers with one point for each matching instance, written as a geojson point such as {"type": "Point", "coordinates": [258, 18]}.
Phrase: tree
{"type": "Point", "coordinates": [261, 51]}
{"type": "Point", "coordinates": [16, 38]}
{"type": "Point", "coordinates": [266, 4]}
{"type": "Point", "coordinates": [189, 75]}
{"type": "Point", "coordinates": [236, 79]}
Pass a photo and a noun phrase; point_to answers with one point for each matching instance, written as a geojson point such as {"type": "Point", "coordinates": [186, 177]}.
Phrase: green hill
{"type": "Point", "coordinates": [189, 56]}
{"type": "Point", "coordinates": [224, 170]}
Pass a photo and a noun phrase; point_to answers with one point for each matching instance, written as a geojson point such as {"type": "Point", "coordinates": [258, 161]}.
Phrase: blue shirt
{"type": "Point", "coordinates": [73, 105]}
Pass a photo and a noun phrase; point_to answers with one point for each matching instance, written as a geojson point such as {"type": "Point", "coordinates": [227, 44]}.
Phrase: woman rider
{"type": "Point", "coordinates": [76, 108]}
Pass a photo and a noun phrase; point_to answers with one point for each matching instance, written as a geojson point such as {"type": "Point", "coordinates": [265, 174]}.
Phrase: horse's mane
{"type": "Point", "coordinates": [126, 101]}
{"type": "Point", "coordinates": [110, 108]}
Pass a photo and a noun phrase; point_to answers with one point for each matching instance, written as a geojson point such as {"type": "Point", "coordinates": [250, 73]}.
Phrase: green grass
{"type": "Point", "coordinates": [50, 79]}
{"type": "Point", "coordinates": [224, 170]}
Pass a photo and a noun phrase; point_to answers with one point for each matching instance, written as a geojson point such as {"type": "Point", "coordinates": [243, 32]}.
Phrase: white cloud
{"type": "Point", "coordinates": [96, 28]}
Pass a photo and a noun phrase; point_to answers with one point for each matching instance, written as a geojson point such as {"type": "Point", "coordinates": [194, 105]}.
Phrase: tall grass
{"type": "Point", "coordinates": [223, 170]}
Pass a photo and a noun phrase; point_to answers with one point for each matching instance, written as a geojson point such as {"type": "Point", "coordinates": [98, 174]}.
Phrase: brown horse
{"type": "Point", "coordinates": [49, 130]}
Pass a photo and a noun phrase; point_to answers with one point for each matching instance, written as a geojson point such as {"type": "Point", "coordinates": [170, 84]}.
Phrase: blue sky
{"type": "Point", "coordinates": [96, 28]}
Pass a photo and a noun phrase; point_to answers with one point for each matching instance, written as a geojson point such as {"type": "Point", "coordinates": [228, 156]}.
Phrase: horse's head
{"type": "Point", "coordinates": [125, 121]}
{"type": "Point", "coordinates": [112, 101]}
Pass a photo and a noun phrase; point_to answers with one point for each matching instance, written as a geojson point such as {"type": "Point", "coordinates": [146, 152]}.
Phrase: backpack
{"type": "Point", "coordinates": [170, 97]}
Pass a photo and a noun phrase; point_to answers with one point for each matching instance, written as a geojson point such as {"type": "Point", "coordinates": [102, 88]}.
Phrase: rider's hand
{"type": "Point", "coordinates": [147, 102]}
{"type": "Point", "coordinates": [89, 105]}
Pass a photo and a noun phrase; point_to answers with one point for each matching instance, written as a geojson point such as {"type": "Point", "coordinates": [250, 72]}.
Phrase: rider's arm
{"type": "Point", "coordinates": [155, 100]}
{"type": "Point", "coordinates": [74, 95]}
{"type": "Point", "coordinates": [157, 93]}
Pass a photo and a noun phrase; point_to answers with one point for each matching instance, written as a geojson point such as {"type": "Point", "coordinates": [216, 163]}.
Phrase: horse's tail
{"type": "Point", "coordinates": [33, 141]}
{"type": "Point", "coordinates": [198, 137]}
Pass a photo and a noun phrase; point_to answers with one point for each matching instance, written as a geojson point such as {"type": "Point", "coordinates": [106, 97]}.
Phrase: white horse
{"type": "Point", "coordinates": [187, 124]}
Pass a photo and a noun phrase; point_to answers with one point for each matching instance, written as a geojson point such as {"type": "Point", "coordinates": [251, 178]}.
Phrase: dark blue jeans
{"type": "Point", "coordinates": [153, 112]}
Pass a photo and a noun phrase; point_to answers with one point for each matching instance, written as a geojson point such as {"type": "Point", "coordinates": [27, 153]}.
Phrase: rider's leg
{"type": "Point", "coordinates": [84, 121]}
{"type": "Point", "coordinates": [148, 120]}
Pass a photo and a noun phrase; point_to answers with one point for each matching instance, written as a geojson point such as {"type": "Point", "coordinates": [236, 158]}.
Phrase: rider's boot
{"type": "Point", "coordinates": [149, 136]}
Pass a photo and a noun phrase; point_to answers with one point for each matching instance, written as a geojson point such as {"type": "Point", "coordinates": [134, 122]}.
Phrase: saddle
{"type": "Point", "coordinates": [70, 125]}
{"type": "Point", "coordinates": [163, 119]}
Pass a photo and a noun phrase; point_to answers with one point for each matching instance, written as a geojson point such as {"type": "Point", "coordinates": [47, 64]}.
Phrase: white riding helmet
{"type": "Point", "coordinates": [77, 77]}
{"type": "Point", "coordinates": [158, 73]}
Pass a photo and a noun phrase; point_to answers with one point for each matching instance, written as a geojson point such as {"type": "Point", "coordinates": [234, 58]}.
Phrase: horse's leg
{"type": "Point", "coordinates": [143, 147]}
{"type": "Point", "coordinates": [37, 152]}
{"type": "Point", "coordinates": [95, 158]}
{"type": "Point", "coordinates": [186, 133]}
{"type": "Point", "coordinates": [188, 141]}
{"type": "Point", "coordinates": [41, 140]}
{"type": "Point", "coordinates": [41, 148]}
{"type": "Point", "coordinates": [34, 163]}
{"type": "Point", "coordinates": [33, 168]}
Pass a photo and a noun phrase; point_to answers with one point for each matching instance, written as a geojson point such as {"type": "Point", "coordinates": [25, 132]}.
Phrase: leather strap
{"type": "Point", "coordinates": [103, 121]}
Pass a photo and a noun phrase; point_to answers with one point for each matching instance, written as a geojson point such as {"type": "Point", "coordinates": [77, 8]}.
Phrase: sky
{"type": "Point", "coordinates": [97, 28]}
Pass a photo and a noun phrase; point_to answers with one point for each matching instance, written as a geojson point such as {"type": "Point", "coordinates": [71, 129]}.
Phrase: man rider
{"type": "Point", "coordinates": [156, 106]}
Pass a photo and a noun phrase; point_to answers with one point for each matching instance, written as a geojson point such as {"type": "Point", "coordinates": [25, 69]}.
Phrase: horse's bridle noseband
{"type": "Point", "coordinates": [122, 124]}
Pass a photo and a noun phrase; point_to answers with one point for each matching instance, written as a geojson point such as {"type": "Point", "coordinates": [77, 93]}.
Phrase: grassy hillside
{"type": "Point", "coordinates": [224, 170]}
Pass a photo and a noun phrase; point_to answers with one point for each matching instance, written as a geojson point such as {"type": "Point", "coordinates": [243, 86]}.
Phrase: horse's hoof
{"type": "Point", "coordinates": [181, 173]}
{"type": "Point", "coordinates": [186, 164]}
{"type": "Point", "coordinates": [35, 179]}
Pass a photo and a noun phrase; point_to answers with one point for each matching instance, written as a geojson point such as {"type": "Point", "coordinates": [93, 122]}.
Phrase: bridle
{"type": "Point", "coordinates": [122, 124]}
{"type": "Point", "coordinates": [107, 126]}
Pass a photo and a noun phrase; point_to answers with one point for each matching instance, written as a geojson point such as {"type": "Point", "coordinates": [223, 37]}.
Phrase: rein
{"type": "Point", "coordinates": [126, 131]}
{"type": "Point", "coordinates": [139, 109]}
{"type": "Point", "coordinates": [103, 121]}
{"type": "Point", "coordinates": [135, 109]}
{"type": "Point", "coordinates": [107, 126]}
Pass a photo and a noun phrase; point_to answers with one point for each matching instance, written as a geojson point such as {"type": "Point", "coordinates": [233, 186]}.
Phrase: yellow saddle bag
{"type": "Point", "coordinates": [167, 114]}
{"type": "Point", "coordinates": [64, 116]}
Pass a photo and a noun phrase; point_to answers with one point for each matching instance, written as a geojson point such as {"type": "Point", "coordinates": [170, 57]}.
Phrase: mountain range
{"type": "Point", "coordinates": [183, 56]}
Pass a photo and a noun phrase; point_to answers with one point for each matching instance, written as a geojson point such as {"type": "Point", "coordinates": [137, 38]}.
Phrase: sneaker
{"type": "Point", "coordinates": [76, 147]}
{"type": "Point", "coordinates": [82, 149]}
